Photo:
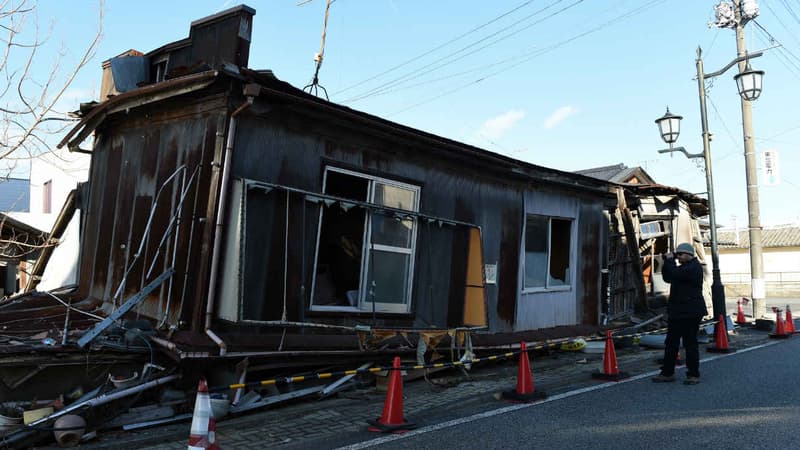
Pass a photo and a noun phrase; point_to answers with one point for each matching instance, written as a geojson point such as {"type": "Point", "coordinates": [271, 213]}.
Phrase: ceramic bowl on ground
{"type": "Point", "coordinates": [220, 405]}
{"type": "Point", "coordinates": [68, 430]}
{"type": "Point", "coordinates": [121, 382]}
{"type": "Point", "coordinates": [10, 419]}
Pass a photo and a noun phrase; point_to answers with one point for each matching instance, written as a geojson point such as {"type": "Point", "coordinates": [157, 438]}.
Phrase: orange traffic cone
{"type": "Point", "coordinates": [610, 370]}
{"type": "Point", "coordinates": [790, 321]}
{"type": "Point", "coordinates": [780, 330]}
{"type": "Point", "coordinates": [392, 420]}
{"type": "Point", "coordinates": [203, 434]}
{"type": "Point", "coordinates": [722, 338]}
{"type": "Point", "coordinates": [740, 320]}
{"type": "Point", "coordinates": [525, 391]}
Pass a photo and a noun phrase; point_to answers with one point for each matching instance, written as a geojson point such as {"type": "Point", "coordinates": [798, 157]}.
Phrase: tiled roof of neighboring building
{"type": "Point", "coordinates": [779, 236]}
{"type": "Point", "coordinates": [618, 173]}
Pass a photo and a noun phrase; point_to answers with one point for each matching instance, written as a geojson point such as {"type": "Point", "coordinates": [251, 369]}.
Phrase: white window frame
{"type": "Point", "coordinates": [364, 305]}
{"type": "Point", "coordinates": [547, 287]}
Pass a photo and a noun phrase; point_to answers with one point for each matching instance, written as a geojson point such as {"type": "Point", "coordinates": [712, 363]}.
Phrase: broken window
{"type": "Point", "coordinates": [548, 245]}
{"type": "Point", "coordinates": [365, 257]}
{"type": "Point", "coordinates": [649, 230]}
{"type": "Point", "coordinates": [159, 70]}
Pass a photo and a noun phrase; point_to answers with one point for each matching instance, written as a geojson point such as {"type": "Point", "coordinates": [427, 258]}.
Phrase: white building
{"type": "Point", "coordinates": [53, 177]}
{"type": "Point", "coordinates": [781, 258]}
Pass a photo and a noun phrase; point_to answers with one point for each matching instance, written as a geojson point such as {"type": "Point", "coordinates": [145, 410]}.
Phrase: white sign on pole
{"type": "Point", "coordinates": [770, 169]}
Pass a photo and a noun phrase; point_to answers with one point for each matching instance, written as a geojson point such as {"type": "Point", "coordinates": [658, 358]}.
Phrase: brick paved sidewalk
{"type": "Point", "coordinates": [309, 421]}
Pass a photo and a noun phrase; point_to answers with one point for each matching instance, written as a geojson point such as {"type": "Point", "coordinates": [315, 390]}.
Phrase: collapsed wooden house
{"type": "Point", "coordinates": [235, 216]}
{"type": "Point", "coordinates": [649, 220]}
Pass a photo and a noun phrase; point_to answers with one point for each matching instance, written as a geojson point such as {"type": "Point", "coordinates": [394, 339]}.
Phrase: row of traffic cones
{"type": "Point", "coordinates": [783, 330]}
{"type": "Point", "coordinates": [392, 420]}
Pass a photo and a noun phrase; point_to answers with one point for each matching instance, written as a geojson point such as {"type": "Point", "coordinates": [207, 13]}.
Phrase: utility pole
{"type": "Point", "coordinates": [757, 286]}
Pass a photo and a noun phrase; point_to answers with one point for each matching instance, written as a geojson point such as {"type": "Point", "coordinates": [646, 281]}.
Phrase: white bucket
{"type": "Point", "coordinates": [8, 424]}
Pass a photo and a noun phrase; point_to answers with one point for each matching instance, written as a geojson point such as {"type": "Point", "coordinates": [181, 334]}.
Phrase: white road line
{"type": "Point", "coordinates": [496, 412]}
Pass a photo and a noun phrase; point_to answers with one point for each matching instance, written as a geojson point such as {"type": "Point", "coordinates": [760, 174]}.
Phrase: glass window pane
{"type": "Point", "coordinates": [387, 229]}
{"type": "Point", "coordinates": [560, 231]}
{"type": "Point", "coordinates": [394, 197]}
{"type": "Point", "coordinates": [389, 271]}
{"type": "Point", "coordinates": [535, 251]}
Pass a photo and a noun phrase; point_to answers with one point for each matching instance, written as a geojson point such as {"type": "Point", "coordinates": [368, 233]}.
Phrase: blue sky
{"type": "Point", "coordinates": [567, 84]}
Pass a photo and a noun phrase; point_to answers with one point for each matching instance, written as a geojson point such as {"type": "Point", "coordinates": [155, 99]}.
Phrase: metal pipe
{"type": "Point", "coordinates": [717, 289]}
{"type": "Point", "coordinates": [164, 343]}
{"type": "Point", "coordinates": [106, 398]}
{"type": "Point", "coordinates": [145, 234]}
{"type": "Point", "coordinates": [185, 190]}
{"type": "Point", "coordinates": [30, 429]}
{"type": "Point", "coordinates": [220, 222]}
{"type": "Point", "coordinates": [188, 260]}
{"type": "Point", "coordinates": [172, 222]}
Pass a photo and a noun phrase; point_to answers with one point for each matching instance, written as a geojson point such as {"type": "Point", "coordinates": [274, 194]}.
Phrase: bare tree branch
{"type": "Point", "coordinates": [27, 113]}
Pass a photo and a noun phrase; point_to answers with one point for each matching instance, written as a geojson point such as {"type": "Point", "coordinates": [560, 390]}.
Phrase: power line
{"type": "Point", "coordinates": [725, 126]}
{"type": "Point", "coordinates": [439, 47]}
{"type": "Point", "coordinates": [448, 59]}
{"type": "Point", "coordinates": [536, 54]}
{"type": "Point", "coordinates": [781, 133]}
{"type": "Point", "coordinates": [778, 18]}
{"type": "Point", "coordinates": [775, 40]}
{"type": "Point", "coordinates": [782, 52]}
{"type": "Point", "coordinates": [791, 11]}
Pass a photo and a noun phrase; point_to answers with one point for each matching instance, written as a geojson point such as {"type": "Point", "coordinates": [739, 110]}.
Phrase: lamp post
{"type": "Point", "coordinates": [749, 85]}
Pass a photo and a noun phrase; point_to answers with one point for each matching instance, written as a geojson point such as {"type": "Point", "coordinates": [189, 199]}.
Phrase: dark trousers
{"type": "Point", "coordinates": [686, 330]}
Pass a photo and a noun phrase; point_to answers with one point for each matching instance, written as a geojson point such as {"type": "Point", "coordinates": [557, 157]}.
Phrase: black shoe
{"type": "Point", "coordinates": [661, 378]}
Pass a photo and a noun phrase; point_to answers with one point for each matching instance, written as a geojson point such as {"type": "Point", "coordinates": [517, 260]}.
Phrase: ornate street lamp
{"type": "Point", "coordinates": [749, 83]}
{"type": "Point", "coordinates": [669, 125]}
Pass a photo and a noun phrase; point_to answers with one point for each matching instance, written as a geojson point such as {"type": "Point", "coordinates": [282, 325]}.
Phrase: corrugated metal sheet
{"type": "Point", "coordinates": [151, 151]}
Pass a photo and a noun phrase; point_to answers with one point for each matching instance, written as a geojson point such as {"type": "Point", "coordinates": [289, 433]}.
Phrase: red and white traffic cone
{"type": "Point", "coordinates": [610, 371]}
{"type": "Point", "coordinates": [740, 319]}
{"type": "Point", "coordinates": [722, 338]}
{"type": "Point", "coordinates": [526, 391]}
{"type": "Point", "coordinates": [392, 419]}
{"type": "Point", "coordinates": [203, 434]}
{"type": "Point", "coordinates": [790, 321]}
{"type": "Point", "coordinates": [780, 329]}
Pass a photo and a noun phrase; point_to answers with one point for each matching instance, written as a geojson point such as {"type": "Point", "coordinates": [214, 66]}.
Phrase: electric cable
{"type": "Point", "coordinates": [448, 59]}
{"type": "Point", "coordinates": [534, 55]}
{"type": "Point", "coordinates": [439, 47]}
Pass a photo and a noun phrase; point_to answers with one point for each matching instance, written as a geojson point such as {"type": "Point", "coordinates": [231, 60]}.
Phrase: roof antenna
{"type": "Point", "coordinates": [313, 87]}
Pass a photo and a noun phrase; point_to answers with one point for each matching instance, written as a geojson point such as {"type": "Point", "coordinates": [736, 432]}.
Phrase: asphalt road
{"type": "Point", "coordinates": [745, 400]}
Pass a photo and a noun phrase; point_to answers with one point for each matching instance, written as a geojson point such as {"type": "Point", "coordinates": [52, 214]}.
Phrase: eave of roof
{"type": "Point", "coordinates": [271, 86]}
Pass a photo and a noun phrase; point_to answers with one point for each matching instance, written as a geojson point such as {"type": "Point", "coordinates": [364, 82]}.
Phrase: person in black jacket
{"type": "Point", "coordinates": [685, 308]}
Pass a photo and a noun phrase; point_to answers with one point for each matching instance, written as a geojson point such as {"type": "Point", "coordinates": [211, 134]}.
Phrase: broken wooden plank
{"type": "Point", "coordinates": [125, 307]}
{"type": "Point", "coordinates": [272, 399]}
{"type": "Point", "coordinates": [152, 423]}
{"type": "Point", "coordinates": [335, 386]}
